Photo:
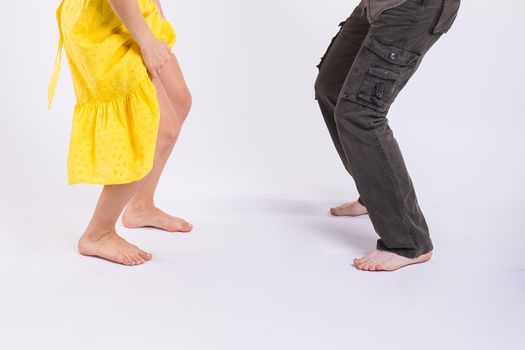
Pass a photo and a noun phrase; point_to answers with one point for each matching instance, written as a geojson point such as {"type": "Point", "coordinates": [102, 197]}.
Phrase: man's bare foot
{"type": "Point", "coordinates": [154, 217]}
{"type": "Point", "coordinates": [386, 261]}
{"type": "Point", "coordinates": [349, 209]}
{"type": "Point", "coordinates": [110, 246]}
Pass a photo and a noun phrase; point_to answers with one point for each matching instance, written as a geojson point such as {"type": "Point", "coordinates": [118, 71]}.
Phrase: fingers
{"type": "Point", "coordinates": [157, 71]}
{"type": "Point", "coordinates": [153, 73]}
{"type": "Point", "coordinates": [164, 64]}
{"type": "Point", "coordinates": [155, 57]}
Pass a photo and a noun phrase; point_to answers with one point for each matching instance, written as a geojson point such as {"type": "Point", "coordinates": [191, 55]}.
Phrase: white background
{"type": "Point", "coordinates": [255, 171]}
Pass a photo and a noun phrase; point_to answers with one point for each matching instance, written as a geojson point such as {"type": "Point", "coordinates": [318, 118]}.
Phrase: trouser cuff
{"type": "Point", "coordinates": [407, 253]}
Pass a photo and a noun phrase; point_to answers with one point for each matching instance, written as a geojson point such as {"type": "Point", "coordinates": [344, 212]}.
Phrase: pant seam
{"type": "Point", "coordinates": [379, 147]}
{"type": "Point", "coordinates": [393, 180]}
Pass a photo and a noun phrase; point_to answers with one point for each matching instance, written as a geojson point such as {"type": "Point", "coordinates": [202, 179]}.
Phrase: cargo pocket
{"type": "Point", "coordinates": [446, 18]}
{"type": "Point", "coordinates": [389, 68]}
{"type": "Point", "coordinates": [331, 44]}
{"type": "Point", "coordinates": [377, 88]}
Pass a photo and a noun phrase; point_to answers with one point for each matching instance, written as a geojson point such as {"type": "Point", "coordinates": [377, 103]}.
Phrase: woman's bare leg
{"type": "Point", "coordinates": [101, 239]}
{"type": "Point", "coordinates": [174, 102]}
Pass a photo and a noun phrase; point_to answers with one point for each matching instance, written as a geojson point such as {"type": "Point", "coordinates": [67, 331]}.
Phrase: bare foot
{"type": "Point", "coordinates": [349, 209]}
{"type": "Point", "coordinates": [110, 246]}
{"type": "Point", "coordinates": [386, 261]}
{"type": "Point", "coordinates": [154, 217]}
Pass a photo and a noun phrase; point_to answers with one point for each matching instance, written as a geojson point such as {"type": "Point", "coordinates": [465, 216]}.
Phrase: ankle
{"type": "Point", "coordinates": [98, 229]}
{"type": "Point", "coordinates": [140, 205]}
{"type": "Point", "coordinates": [94, 234]}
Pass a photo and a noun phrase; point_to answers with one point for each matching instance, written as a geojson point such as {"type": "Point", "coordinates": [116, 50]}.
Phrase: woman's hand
{"type": "Point", "coordinates": [155, 54]}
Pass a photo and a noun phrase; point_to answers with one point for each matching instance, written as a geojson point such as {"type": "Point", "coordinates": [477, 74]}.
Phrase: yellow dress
{"type": "Point", "coordinates": [116, 116]}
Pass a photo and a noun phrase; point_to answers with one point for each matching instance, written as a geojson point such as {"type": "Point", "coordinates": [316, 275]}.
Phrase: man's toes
{"type": "Point", "coordinates": [366, 259]}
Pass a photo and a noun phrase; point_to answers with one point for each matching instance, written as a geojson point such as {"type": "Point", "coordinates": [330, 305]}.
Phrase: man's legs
{"type": "Point", "coordinates": [391, 53]}
{"type": "Point", "coordinates": [333, 69]}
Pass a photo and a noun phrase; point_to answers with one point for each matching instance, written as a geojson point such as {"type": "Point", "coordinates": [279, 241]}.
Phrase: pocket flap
{"type": "Point", "coordinates": [392, 54]}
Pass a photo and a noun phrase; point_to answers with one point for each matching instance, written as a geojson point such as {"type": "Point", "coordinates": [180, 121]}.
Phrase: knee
{"type": "Point", "coordinates": [357, 119]}
{"type": "Point", "coordinates": [184, 105]}
{"type": "Point", "coordinates": [349, 118]}
{"type": "Point", "coordinates": [169, 133]}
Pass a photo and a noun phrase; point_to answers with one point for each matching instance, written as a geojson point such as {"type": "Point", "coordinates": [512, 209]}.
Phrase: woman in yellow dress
{"type": "Point", "coordinates": [131, 103]}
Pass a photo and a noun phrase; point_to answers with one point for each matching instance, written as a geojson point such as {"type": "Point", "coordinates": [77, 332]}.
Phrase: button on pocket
{"type": "Point", "coordinates": [382, 70]}
{"type": "Point", "coordinates": [392, 54]}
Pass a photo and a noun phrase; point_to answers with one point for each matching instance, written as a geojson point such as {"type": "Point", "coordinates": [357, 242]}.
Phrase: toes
{"type": "Point", "coordinates": [368, 257]}
{"type": "Point", "coordinates": [186, 228]}
{"type": "Point", "coordinates": [362, 267]}
{"type": "Point", "coordinates": [138, 260]}
{"type": "Point", "coordinates": [131, 260]}
{"type": "Point", "coordinates": [139, 256]}
{"type": "Point", "coordinates": [122, 259]}
{"type": "Point", "coordinates": [180, 225]}
{"type": "Point", "coordinates": [378, 261]}
{"type": "Point", "coordinates": [144, 255]}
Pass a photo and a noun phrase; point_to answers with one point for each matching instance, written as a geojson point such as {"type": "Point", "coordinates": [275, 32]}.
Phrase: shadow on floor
{"type": "Point", "coordinates": [357, 233]}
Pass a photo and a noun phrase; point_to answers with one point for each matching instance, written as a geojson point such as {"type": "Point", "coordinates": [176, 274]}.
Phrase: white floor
{"type": "Point", "coordinates": [260, 271]}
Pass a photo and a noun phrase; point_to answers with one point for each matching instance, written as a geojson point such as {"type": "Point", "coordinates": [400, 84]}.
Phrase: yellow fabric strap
{"type": "Point", "coordinates": [58, 59]}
